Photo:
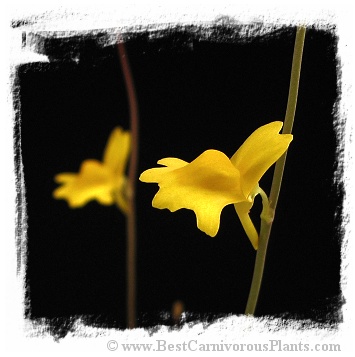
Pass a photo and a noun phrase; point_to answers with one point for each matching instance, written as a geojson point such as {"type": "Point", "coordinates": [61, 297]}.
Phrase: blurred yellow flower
{"type": "Point", "coordinates": [102, 181]}
{"type": "Point", "coordinates": [212, 180]}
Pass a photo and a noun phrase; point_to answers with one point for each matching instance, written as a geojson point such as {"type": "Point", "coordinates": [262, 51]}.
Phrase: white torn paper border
{"type": "Point", "coordinates": [154, 15]}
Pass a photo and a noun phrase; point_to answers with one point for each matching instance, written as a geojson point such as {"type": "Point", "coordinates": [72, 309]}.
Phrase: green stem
{"type": "Point", "coordinates": [278, 173]}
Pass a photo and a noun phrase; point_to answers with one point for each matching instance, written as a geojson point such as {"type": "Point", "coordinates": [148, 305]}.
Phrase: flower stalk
{"type": "Point", "coordinates": [266, 225]}
{"type": "Point", "coordinates": [131, 185]}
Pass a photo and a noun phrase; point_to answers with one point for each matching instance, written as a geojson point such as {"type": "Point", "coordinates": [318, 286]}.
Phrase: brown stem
{"type": "Point", "coordinates": [132, 174]}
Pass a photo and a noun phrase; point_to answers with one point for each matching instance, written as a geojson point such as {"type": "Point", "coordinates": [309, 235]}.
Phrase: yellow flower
{"type": "Point", "coordinates": [212, 180]}
{"type": "Point", "coordinates": [102, 181]}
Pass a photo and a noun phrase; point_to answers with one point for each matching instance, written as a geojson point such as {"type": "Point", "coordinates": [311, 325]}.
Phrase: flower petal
{"type": "Point", "coordinates": [94, 181]}
{"type": "Point", "coordinates": [205, 186]}
{"type": "Point", "coordinates": [172, 162]}
{"type": "Point", "coordinates": [154, 175]}
{"type": "Point", "coordinates": [117, 150]}
{"type": "Point", "coordinates": [65, 177]}
{"type": "Point", "coordinates": [120, 194]}
{"type": "Point", "coordinates": [261, 150]}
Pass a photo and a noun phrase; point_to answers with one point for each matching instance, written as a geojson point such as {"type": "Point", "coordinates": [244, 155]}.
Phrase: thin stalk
{"type": "Point", "coordinates": [265, 228]}
{"type": "Point", "coordinates": [132, 174]}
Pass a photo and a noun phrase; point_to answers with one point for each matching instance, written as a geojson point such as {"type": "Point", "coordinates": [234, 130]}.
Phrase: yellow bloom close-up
{"type": "Point", "coordinates": [212, 180]}
{"type": "Point", "coordinates": [102, 181]}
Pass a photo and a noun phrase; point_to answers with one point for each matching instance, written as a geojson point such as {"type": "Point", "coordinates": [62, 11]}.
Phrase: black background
{"type": "Point", "coordinates": [195, 92]}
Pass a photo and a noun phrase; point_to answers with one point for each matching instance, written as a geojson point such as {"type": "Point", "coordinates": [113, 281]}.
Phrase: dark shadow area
{"type": "Point", "coordinates": [197, 89]}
